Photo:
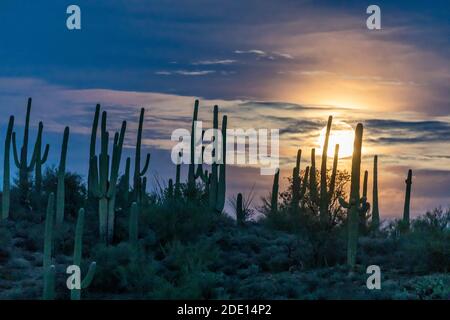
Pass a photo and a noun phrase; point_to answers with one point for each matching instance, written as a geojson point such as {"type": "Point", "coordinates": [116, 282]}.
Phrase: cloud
{"type": "Point", "coordinates": [186, 72]}
{"type": "Point", "coordinates": [214, 62]}
{"type": "Point", "coordinates": [266, 55]}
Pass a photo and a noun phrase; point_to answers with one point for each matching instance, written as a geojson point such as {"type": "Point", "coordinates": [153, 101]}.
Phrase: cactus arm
{"type": "Point", "coordinates": [89, 275]}
{"type": "Point", "coordinates": [366, 177]}
{"type": "Point", "coordinates": [334, 172]}
{"type": "Point", "coordinates": [344, 203]}
{"type": "Point", "coordinates": [147, 162]}
{"type": "Point", "coordinates": [46, 151]}
{"type": "Point", "coordinates": [15, 153]}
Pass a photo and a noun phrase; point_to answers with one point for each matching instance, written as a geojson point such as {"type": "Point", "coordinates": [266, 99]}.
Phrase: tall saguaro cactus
{"type": "Point", "coordinates": [75, 294]}
{"type": "Point", "coordinates": [274, 198]}
{"type": "Point", "coordinates": [22, 162]}
{"type": "Point", "coordinates": [40, 160]}
{"type": "Point", "coordinates": [104, 179]}
{"type": "Point", "coordinates": [296, 181]}
{"type": "Point", "coordinates": [92, 150]}
{"type": "Point", "coordinates": [355, 204]}
{"type": "Point", "coordinates": [6, 171]}
{"type": "Point", "coordinates": [408, 182]}
{"type": "Point", "coordinates": [312, 178]}
{"type": "Point", "coordinates": [138, 172]}
{"type": "Point", "coordinates": [60, 193]}
{"type": "Point", "coordinates": [375, 210]}
{"type": "Point", "coordinates": [191, 172]}
{"type": "Point", "coordinates": [240, 216]}
{"type": "Point", "coordinates": [48, 267]}
{"type": "Point", "coordinates": [323, 206]}
{"type": "Point", "coordinates": [217, 184]}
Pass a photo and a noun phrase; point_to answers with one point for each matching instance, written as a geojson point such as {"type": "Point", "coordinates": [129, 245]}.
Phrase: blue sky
{"type": "Point", "coordinates": [274, 64]}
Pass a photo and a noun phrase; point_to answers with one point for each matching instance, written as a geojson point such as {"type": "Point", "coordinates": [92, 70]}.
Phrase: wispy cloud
{"type": "Point", "coordinates": [214, 62]}
{"type": "Point", "coordinates": [186, 72]}
{"type": "Point", "coordinates": [266, 55]}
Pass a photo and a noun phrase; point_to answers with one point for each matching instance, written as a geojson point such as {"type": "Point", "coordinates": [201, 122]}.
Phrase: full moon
{"type": "Point", "coordinates": [341, 133]}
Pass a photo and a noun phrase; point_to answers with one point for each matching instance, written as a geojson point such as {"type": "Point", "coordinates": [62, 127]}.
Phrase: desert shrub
{"type": "Point", "coordinates": [434, 286]}
{"type": "Point", "coordinates": [75, 191]}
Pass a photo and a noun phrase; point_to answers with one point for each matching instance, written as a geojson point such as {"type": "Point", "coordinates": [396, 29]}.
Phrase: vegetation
{"type": "Point", "coordinates": [177, 242]}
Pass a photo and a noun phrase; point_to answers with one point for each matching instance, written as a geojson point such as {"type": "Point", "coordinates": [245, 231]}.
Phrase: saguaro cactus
{"type": "Point", "coordinates": [75, 294]}
{"type": "Point", "coordinates": [217, 184]}
{"type": "Point", "coordinates": [48, 268]}
{"type": "Point", "coordinates": [138, 172]}
{"type": "Point", "coordinates": [60, 193]}
{"type": "Point", "coordinates": [408, 182]}
{"type": "Point", "coordinates": [102, 188]}
{"type": "Point", "coordinates": [40, 160]}
{"type": "Point", "coordinates": [274, 197]}
{"type": "Point", "coordinates": [240, 216]}
{"type": "Point", "coordinates": [323, 206]}
{"type": "Point", "coordinates": [355, 204]}
{"type": "Point", "coordinates": [22, 162]}
{"type": "Point", "coordinates": [191, 172]}
{"type": "Point", "coordinates": [312, 178]}
{"type": "Point", "coordinates": [91, 172]}
{"type": "Point", "coordinates": [6, 171]}
{"type": "Point", "coordinates": [375, 210]}
{"type": "Point", "coordinates": [296, 182]}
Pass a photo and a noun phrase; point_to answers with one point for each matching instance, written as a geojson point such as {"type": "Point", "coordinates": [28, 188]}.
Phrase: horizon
{"type": "Point", "coordinates": [287, 65]}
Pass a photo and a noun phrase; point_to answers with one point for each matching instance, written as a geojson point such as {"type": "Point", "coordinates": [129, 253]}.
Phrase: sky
{"type": "Point", "coordinates": [268, 64]}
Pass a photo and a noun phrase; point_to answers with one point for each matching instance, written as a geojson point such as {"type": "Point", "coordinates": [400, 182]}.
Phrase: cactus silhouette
{"type": "Point", "coordinates": [21, 161]}
{"type": "Point", "coordinates": [6, 196]}
{"type": "Point", "coordinates": [274, 197]}
{"type": "Point", "coordinates": [75, 294]}
{"type": "Point", "coordinates": [104, 188]}
{"type": "Point", "coordinates": [60, 193]}
{"type": "Point", "coordinates": [48, 267]}
{"type": "Point", "coordinates": [356, 204]}
{"type": "Point", "coordinates": [408, 183]}
{"type": "Point", "coordinates": [191, 172]}
{"type": "Point", "coordinates": [323, 206]}
{"type": "Point", "coordinates": [240, 216]}
{"type": "Point", "coordinates": [138, 188]}
{"type": "Point", "coordinates": [312, 178]}
{"type": "Point", "coordinates": [333, 172]}
{"type": "Point", "coordinates": [217, 184]}
{"type": "Point", "coordinates": [40, 159]}
{"type": "Point", "coordinates": [296, 181]}
{"type": "Point", "coordinates": [92, 149]}
{"type": "Point", "coordinates": [375, 210]}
